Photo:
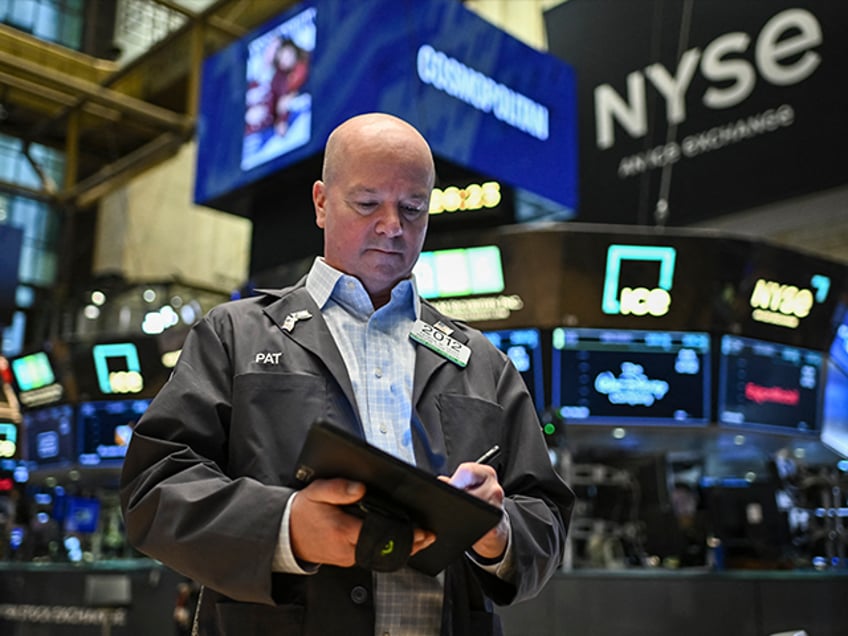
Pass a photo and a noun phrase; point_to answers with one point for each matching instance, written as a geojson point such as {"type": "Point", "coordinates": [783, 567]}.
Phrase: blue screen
{"type": "Point", "coordinates": [82, 515]}
{"type": "Point", "coordinates": [524, 349]}
{"type": "Point", "coordinates": [471, 89]}
{"type": "Point", "coordinates": [631, 376]}
{"type": "Point", "coordinates": [769, 385]}
{"type": "Point", "coordinates": [104, 429]}
{"type": "Point", "coordinates": [50, 435]}
{"type": "Point", "coordinates": [839, 348]}
{"type": "Point", "coordinates": [834, 429]}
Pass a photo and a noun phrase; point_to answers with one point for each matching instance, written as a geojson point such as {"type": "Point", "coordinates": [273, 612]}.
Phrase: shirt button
{"type": "Point", "coordinates": [378, 372]}
{"type": "Point", "coordinates": [383, 428]}
{"type": "Point", "coordinates": [359, 595]}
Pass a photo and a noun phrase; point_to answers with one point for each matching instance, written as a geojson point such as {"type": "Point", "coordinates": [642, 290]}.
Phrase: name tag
{"type": "Point", "coordinates": [440, 342]}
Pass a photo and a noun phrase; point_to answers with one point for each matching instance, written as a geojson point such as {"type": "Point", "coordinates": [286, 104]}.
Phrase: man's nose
{"type": "Point", "coordinates": [389, 221]}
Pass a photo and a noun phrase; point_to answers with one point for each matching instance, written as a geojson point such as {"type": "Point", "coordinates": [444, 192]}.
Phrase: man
{"type": "Point", "coordinates": [208, 486]}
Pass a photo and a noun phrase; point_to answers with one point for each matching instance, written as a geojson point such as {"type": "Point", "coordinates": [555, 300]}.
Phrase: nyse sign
{"type": "Point", "coordinates": [638, 301]}
{"type": "Point", "coordinates": [784, 305]}
{"type": "Point", "coordinates": [783, 56]}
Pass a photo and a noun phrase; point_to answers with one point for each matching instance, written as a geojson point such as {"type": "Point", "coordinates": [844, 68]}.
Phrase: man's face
{"type": "Point", "coordinates": [374, 215]}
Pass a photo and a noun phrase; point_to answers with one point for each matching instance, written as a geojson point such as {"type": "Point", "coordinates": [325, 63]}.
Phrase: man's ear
{"type": "Point", "coordinates": [319, 200]}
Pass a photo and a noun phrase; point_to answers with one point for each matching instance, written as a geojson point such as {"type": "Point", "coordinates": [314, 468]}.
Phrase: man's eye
{"type": "Point", "coordinates": [366, 206]}
{"type": "Point", "coordinates": [412, 212]}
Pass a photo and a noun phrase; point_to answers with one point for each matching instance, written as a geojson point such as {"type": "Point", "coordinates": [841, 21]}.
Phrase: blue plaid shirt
{"type": "Point", "coordinates": [380, 359]}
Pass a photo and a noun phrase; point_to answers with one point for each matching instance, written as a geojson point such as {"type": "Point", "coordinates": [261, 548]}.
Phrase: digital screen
{"type": "Point", "coordinates": [50, 434]}
{"type": "Point", "coordinates": [35, 378]}
{"type": "Point", "coordinates": [104, 429]}
{"type": "Point", "coordinates": [834, 428]}
{"type": "Point", "coordinates": [464, 271]}
{"type": "Point", "coordinates": [82, 515]}
{"type": "Point", "coordinates": [265, 106]}
{"type": "Point", "coordinates": [630, 376]}
{"type": "Point", "coordinates": [839, 348]}
{"type": "Point", "coordinates": [769, 385]}
{"type": "Point", "coordinates": [33, 371]}
{"type": "Point", "coordinates": [278, 109]}
{"type": "Point", "coordinates": [524, 349]}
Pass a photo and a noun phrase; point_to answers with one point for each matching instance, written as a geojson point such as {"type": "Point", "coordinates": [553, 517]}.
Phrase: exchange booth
{"type": "Point", "coordinates": [692, 388]}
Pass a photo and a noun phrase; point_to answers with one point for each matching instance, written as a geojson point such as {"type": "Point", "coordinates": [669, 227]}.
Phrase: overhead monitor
{"type": "Point", "coordinates": [269, 100]}
{"type": "Point", "coordinates": [834, 427]}
{"type": "Point", "coordinates": [104, 430]}
{"type": "Point", "coordinates": [36, 379]}
{"type": "Point", "coordinates": [768, 385]}
{"type": "Point", "coordinates": [615, 376]}
{"type": "Point", "coordinates": [50, 435]}
{"type": "Point", "coordinates": [524, 349]}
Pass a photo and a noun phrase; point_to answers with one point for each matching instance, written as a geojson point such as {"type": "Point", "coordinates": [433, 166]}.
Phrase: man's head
{"type": "Point", "coordinates": [373, 200]}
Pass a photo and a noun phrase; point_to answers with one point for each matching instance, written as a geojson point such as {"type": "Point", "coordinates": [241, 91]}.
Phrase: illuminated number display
{"type": "Point", "coordinates": [472, 197]}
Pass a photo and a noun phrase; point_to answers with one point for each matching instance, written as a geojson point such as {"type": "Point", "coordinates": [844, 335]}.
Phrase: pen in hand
{"type": "Point", "coordinates": [489, 455]}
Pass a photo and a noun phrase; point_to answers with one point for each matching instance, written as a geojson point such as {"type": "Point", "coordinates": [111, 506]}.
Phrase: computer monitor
{"type": "Point", "coordinates": [104, 429]}
{"type": "Point", "coordinates": [834, 427]}
{"type": "Point", "coordinates": [524, 349]}
{"type": "Point", "coordinates": [617, 376]}
{"type": "Point", "coordinates": [769, 386]}
{"type": "Point", "coordinates": [36, 379]}
{"type": "Point", "coordinates": [50, 435]}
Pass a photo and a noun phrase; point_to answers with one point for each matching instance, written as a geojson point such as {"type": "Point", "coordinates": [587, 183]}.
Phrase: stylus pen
{"type": "Point", "coordinates": [489, 455]}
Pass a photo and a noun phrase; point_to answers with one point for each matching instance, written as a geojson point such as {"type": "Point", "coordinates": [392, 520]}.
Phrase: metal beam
{"type": "Point", "coordinates": [119, 172]}
{"type": "Point", "coordinates": [57, 97]}
{"type": "Point", "coordinates": [137, 108]}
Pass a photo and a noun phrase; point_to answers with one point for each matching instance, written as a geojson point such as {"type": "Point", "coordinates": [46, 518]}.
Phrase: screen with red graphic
{"type": "Point", "coordinates": [769, 385]}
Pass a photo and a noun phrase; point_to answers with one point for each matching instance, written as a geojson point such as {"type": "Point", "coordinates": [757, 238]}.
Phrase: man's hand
{"type": "Point", "coordinates": [481, 481]}
{"type": "Point", "coordinates": [321, 532]}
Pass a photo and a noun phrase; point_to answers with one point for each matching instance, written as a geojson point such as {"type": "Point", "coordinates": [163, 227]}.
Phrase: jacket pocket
{"type": "Point", "coordinates": [471, 426]}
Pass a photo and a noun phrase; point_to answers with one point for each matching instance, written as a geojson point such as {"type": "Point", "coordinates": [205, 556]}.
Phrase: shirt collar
{"type": "Point", "coordinates": [325, 283]}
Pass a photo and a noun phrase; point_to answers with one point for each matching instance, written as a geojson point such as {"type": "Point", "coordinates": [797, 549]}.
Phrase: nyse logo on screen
{"type": "Point", "coordinates": [118, 368]}
{"type": "Point", "coordinates": [643, 300]}
{"type": "Point", "coordinates": [786, 305]}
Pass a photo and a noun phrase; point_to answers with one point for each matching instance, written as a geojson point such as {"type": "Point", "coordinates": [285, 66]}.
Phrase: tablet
{"type": "Point", "coordinates": [457, 518]}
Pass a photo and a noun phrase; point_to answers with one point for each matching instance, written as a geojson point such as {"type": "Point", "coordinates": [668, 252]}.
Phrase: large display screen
{"type": "Point", "coordinates": [839, 347]}
{"type": "Point", "coordinates": [769, 385]}
{"type": "Point", "coordinates": [524, 349]}
{"type": "Point", "coordinates": [50, 435]}
{"type": "Point", "coordinates": [104, 429]}
{"type": "Point", "coordinates": [269, 100]}
{"type": "Point", "coordinates": [834, 428]}
{"type": "Point", "coordinates": [631, 377]}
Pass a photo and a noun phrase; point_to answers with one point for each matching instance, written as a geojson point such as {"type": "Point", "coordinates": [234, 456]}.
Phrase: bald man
{"type": "Point", "coordinates": [207, 485]}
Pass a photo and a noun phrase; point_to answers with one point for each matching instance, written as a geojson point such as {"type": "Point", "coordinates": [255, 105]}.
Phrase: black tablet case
{"type": "Point", "coordinates": [457, 518]}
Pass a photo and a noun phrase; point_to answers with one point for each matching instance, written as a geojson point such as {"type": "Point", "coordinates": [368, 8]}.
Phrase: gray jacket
{"type": "Point", "coordinates": [210, 468]}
